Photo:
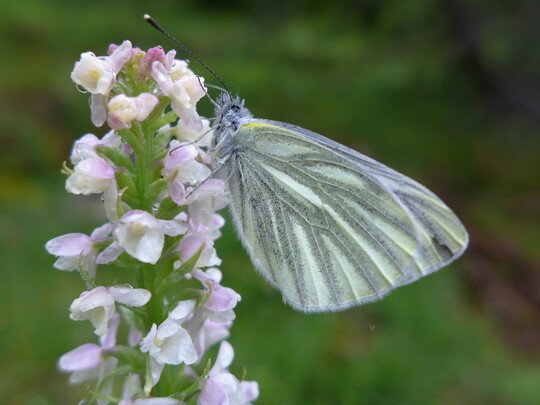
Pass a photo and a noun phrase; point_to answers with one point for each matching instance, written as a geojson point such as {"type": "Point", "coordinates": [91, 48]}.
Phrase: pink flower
{"type": "Point", "coordinates": [85, 147]}
{"type": "Point", "coordinates": [222, 388]}
{"type": "Point", "coordinates": [88, 361]}
{"type": "Point", "coordinates": [180, 167]}
{"type": "Point", "coordinates": [205, 201]}
{"type": "Point", "coordinates": [221, 301]}
{"type": "Point", "coordinates": [77, 251]}
{"type": "Point", "coordinates": [184, 93]}
{"type": "Point", "coordinates": [141, 235]}
{"type": "Point", "coordinates": [170, 343]}
{"type": "Point", "coordinates": [96, 74]}
{"type": "Point", "coordinates": [155, 54]}
{"type": "Point", "coordinates": [190, 244]}
{"type": "Point", "coordinates": [203, 137]}
{"type": "Point", "coordinates": [206, 332]}
{"type": "Point", "coordinates": [123, 109]}
{"type": "Point", "coordinates": [90, 176]}
{"type": "Point", "coordinates": [98, 304]}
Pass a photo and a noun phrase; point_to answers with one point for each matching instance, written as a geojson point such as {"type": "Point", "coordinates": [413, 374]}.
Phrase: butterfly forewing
{"type": "Point", "coordinates": [328, 226]}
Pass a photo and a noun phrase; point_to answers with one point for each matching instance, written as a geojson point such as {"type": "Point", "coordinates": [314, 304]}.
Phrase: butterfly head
{"type": "Point", "coordinates": [229, 114]}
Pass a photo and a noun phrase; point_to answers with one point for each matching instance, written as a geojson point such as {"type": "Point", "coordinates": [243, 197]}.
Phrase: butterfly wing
{"type": "Point", "coordinates": [328, 226]}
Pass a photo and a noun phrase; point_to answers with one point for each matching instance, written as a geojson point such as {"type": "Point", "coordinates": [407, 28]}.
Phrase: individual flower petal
{"type": "Point", "coordinates": [145, 102]}
{"type": "Point", "coordinates": [110, 253]}
{"type": "Point", "coordinates": [109, 340]}
{"type": "Point", "coordinates": [182, 310]}
{"type": "Point", "coordinates": [101, 233]}
{"type": "Point", "coordinates": [141, 235]}
{"type": "Point", "coordinates": [134, 336]}
{"type": "Point", "coordinates": [224, 358]}
{"type": "Point", "coordinates": [120, 56]}
{"type": "Point", "coordinates": [162, 78]}
{"type": "Point", "coordinates": [81, 358]}
{"type": "Point", "coordinates": [177, 191]}
{"type": "Point", "coordinates": [203, 137]}
{"type": "Point", "coordinates": [191, 244]}
{"type": "Point", "coordinates": [180, 69]}
{"type": "Point", "coordinates": [72, 244]}
{"type": "Point", "coordinates": [83, 148]}
{"type": "Point", "coordinates": [131, 387]}
{"type": "Point", "coordinates": [179, 154]}
{"type": "Point", "coordinates": [112, 140]}
{"type": "Point", "coordinates": [110, 201]}
{"type": "Point", "coordinates": [106, 365]}
{"type": "Point", "coordinates": [189, 116]}
{"type": "Point", "coordinates": [249, 390]}
{"type": "Point", "coordinates": [90, 176]}
{"type": "Point", "coordinates": [212, 394]}
{"type": "Point", "coordinates": [127, 295]}
{"type": "Point", "coordinates": [98, 111]}
{"type": "Point", "coordinates": [173, 227]}
{"type": "Point", "coordinates": [194, 86]}
{"type": "Point", "coordinates": [156, 368]}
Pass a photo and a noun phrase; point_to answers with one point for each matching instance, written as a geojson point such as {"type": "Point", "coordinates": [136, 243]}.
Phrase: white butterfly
{"type": "Point", "coordinates": [326, 225]}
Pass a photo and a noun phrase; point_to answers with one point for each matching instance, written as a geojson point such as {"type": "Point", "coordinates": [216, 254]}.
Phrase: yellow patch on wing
{"type": "Point", "coordinates": [257, 125]}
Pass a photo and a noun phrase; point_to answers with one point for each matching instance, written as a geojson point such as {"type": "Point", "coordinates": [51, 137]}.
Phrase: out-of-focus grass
{"type": "Point", "coordinates": [398, 98]}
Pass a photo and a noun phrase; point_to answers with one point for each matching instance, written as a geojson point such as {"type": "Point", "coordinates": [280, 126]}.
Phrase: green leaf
{"type": "Point", "coordinates": [165, 119]}
{"type": "Point", "coordinates": [124, 180]}
{"type": "Point", "coordinates": [190, 294]}
{"type": "Point", "coordinates": [117, 157]}
{"type": "Point", "coordinates": [132, 140]}
{"type": "Point", "coordinates": [161, 153]}
{"type": "Point", "coordinates": [168, 209]}
{"type": "Point", "coordinates": [196, 386]}
{"type": "Point", "coordinates": [129, 356]}
{"type": "Point", "coordinates": [178, 274]}
{"type": "Point", "coordinates": [189, 265]}
{"type": "Point", "coordinates": [158, 110]}
{"type": "Point", "coordinates": [161, 140]}
{"type": "Point", "coordinates": [138, 320]}
{"type": "Point", "coordinates": [156, 188]}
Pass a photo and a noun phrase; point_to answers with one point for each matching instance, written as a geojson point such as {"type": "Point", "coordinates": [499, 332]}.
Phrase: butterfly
{"type": "Point", "coordinates": [327, 226]}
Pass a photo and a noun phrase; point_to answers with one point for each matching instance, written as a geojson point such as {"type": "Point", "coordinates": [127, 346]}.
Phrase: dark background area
{"type": "Point", "coordinates": [445, 91]}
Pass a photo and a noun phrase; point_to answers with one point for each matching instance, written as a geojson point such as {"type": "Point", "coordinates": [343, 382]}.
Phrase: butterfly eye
{"type": "Point", "coordinates": [235, 108]}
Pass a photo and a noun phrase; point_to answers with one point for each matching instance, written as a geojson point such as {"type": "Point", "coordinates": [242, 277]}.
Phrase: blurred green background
{"type": "Point", "coordinates": [446, 91]}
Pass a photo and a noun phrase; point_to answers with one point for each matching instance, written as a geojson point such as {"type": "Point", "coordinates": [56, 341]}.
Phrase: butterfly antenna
{"type": "Point", "coordinates": [154, 24]}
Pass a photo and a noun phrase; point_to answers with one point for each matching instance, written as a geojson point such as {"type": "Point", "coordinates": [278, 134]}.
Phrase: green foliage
{"type": "Point", "coordinates": [386, 81]}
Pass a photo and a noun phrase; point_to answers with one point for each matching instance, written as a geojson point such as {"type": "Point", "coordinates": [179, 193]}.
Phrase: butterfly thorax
{"type": "Point", "coordinates": [229, 115]}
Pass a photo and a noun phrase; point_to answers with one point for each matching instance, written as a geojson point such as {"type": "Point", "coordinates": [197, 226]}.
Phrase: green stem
{"type": "Point", "coordinates": [144, 159]}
